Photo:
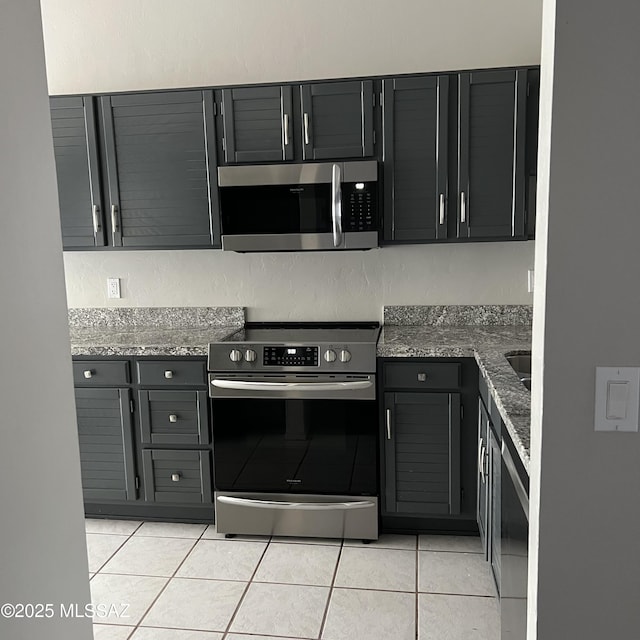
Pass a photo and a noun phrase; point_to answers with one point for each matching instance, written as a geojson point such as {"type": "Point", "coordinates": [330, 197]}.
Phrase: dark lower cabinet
{"type": "Point", "coordinates": [145, 444]}
{"type": "Point", "coordinates": [106, 444]}
{"type": "Point", "coordinates": [422, 453]}
{"type": "Point", "coordinates": [177, 476]}
{"type": "Point", "coordinates": [427, 445]}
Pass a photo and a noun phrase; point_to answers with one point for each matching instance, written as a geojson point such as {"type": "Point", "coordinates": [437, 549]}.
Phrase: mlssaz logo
{"type": "Point", "coordinates": [294, 481]}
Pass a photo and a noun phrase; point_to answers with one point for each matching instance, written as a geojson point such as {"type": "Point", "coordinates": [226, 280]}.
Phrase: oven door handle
{"type": "Point", "coordinates": [250, 385]}
{"type": "Point", "coordinates": [304, 506]}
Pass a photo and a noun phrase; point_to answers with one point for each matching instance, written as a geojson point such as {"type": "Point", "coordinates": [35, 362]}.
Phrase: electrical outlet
{"type": "Point", "coordinates": [530, 280]}
{"type": "Point", "coordinates": [113, 287]}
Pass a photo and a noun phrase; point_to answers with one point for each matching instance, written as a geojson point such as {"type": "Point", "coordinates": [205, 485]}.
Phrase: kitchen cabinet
{"type": "Point", "coordinates": [175, 431]}
{"type": "Point", "coordinates": [104, 414]}
{"type": "Point", "coordinates": [427, 452]}
{"type": "Point", "coordinates": [75, 146]}
{"type": "Point", "coordinates": [484, 490]}
{"type": "Point", "coordinates": [315, 121]}
{"type": "Point", "coordinates": [490, 200]}
{"type": "Point", "coordinates": [135, 170]}
{"type": "Point", "coordinates": [416, 148]}
{"type": "Point", "coordinates": [145, 444]}
{"type": "Point", "coordinates": [257, 124]}
{"type": "Point", "coordinates": [458, 153]}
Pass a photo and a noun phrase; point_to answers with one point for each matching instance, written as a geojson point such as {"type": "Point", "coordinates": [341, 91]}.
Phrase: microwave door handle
{"type": "Point", "coordinates": [336, 205]}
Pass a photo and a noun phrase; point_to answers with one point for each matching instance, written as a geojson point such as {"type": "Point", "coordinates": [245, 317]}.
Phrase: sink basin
{"type": "Point", "coordinates": [521, 364]}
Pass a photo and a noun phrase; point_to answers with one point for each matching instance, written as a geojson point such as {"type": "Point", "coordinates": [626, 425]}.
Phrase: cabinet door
{"type": "Point", "coordinates": [174, 417]}
{"type": "Point", "coordinates": [491, 154]}
{"type": "Point", "coordinates": [160, 154]}
{"type": "Point", "coordinates": [415, 158]}
{"type": "Point", "coordinates": [483, 476]}
{"type": "Point", "coordinates": [257, 124]}
{"type": "Point", "coordinates": [337, 120]}
{"type": "Point", "coordinates": [422, 453]}
{"type": "Point", "coordinates": [76, 156]}
{"type": "Point", "coordinates": [106, 444]}
{"type": "Point", "coordinates": [177, 476]}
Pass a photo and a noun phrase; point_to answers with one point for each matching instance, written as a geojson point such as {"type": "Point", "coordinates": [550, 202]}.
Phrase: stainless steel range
{"type": "Point", "coordinates": [295, 430]}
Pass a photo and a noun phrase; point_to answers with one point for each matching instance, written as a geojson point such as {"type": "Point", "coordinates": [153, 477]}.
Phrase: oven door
{"type": "Point", "coordinates": [312, 206]}
{"type": "Point", "coordinates": [281, 435]}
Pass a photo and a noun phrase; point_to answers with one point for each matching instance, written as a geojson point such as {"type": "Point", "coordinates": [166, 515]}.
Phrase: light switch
{"type": "Point", "coordinates": [617, 398]}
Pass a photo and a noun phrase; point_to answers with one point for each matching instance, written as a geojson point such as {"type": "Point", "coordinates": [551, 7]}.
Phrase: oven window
{"type": "Point", "coordinates": [276, 209]}
{"type": "Point", "coordinates": [295, 446]}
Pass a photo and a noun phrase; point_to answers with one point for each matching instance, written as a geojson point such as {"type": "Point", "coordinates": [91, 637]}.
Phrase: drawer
{"type": "Point", "coordinates": [167, 373]}
{"type": "Point", "coordinates": [421, 375]}
{"type": "Point", "coordinates": [174, 417]}
{"type": "Point", "coordinates": [177, 476]}
{"type": "Point", "coordinates": [100, 373]}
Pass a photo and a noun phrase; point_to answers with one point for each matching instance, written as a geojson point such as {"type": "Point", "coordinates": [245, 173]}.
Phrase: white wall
{"type": "Point", "coordinates": [586, 485]}
{"type": "Point", "coordinates": [97, 46]}
{"type": "Point", "coordinates": [306, 286]}
{"type": "Point", "coordinates": [43, 557]}
{"type": "Point", "coordinates": [119, 45]}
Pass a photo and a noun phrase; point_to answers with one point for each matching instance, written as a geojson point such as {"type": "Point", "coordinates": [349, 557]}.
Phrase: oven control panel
{"type": "Point", "coordinates": [290, 356]}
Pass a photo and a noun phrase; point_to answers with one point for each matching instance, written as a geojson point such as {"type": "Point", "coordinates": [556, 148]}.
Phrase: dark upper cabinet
{"type": "Point", "coordinates": [257, 124]}
{"type": "Point", "coordinates": [316, 121]}
{"type": "Point", "coordinates": [154, 155]}
{"type": "Point", "coordinates": [79, 192]}
{"type": "Point", "coordinates": [491, 154]}
{"type": "Point", "coordinates": [415, 157]}
{"type": "Point", "coordinates": [337, 120]}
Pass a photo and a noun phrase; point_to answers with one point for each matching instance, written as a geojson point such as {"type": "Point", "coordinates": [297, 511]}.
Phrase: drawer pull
{"type": "Point", "coordinates": [388, 422]}
{"type": "Point", "coordinates": [422, 377]}
{"type": "Point", "coordinates": [88, 373]}
{"type": "Point", "coordinates": [168, 374]}
{"type": "Point", "coordinates": [175, 477]}
{"type": "Point", "coordinates": [173, 417]}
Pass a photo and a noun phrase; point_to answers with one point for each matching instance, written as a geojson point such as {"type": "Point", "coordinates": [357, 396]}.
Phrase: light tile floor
{"type": "Point", "coordinates": [187, 582]}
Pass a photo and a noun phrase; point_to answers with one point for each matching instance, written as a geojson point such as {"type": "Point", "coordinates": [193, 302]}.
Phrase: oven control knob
{"type": "Point", "coordinates": [250, 355]}
{"type": "Point", "coordinates": [345, 356]}
{"type": "Point", "coordinates": [235, 355]}
{"type": "Point", "coordinates": [330, 355]}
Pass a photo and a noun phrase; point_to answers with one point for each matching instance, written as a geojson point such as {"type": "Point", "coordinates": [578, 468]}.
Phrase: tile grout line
{"type": "Point", "coordinates": [323, 622]}
{"type": "Point", "coordinates": [144, 615]}
{"type": "Point", "coordinates": [226, 632]}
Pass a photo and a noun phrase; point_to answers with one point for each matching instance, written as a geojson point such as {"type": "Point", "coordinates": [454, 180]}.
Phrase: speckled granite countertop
{"type": "Point", "coordinates": [488, 345]}
{"type": "Point", "coordinates": [168, 331]}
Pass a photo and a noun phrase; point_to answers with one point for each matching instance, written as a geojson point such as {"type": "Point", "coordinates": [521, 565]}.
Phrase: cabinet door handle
{"type": "Point", "coordinates": [175, 477]}
{"type": "Point", "coordinates": [285, 126]}
{"type": "Point", "coordinates": [114, 221]}
{"type": "Point", "coordinates": [173, 417]}
{"type": "Point", "coordinates": [168, 374]}
{"type": "Point", "coordinates": [481, 461]}
{"type": "Point", "coordinates": [388, 424]}
{"type": "Point", "coordinates": [306, 128]}
{"type": "Point", "coordinates": [88, 373]}
{"type": "Point", "coordinates": [442, 208]}
{"type": "Point", "coordinates": [463, 208]}
{"type": "Point", "coordinates": [95, 213]}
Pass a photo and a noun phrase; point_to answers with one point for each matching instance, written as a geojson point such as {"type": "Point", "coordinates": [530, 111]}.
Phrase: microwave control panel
{"type": "Point", "coordinates": [291, 356]}
{"type": "Point", "coordinates": [359, 206]}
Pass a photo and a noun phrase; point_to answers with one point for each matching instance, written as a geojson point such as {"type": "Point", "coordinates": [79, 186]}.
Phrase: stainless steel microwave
{"type": "Point", "coordinates": [319, 206]}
